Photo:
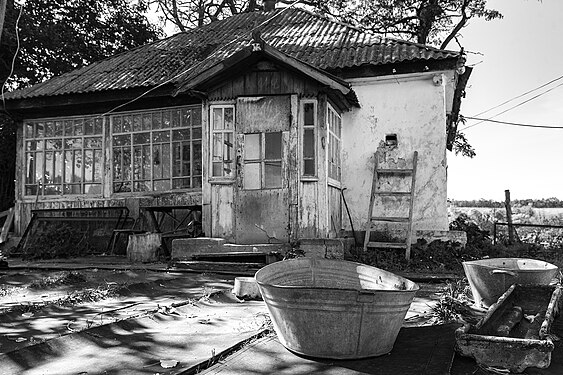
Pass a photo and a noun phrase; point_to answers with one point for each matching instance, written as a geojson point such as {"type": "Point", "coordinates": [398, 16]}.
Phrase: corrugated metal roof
{"type": "Point", "coordinates": [310, 38]}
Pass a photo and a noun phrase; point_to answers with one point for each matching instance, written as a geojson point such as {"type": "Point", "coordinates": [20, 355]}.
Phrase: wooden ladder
{"type": "Point", "coordinates": [407, 220]}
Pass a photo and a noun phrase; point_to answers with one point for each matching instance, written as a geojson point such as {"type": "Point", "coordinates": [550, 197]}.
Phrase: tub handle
{"type": "Point", "coordinates": [365, 297]}
{"type": "Point", "coordinates": [506, 272]}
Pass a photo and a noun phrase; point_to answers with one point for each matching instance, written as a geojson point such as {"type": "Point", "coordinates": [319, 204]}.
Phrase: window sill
{"type": "Point", "coordinates": [221, 181]}
{"type": "Point", "coordinates": [334, 183]}
{"type": "Point", "coordinates": [309, 179]}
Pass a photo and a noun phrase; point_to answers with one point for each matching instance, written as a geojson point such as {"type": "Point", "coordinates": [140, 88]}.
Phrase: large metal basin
{"type": "Point", "coordinates": [490, 278]}
{"type": "Point", "coordinates": [335, 309]}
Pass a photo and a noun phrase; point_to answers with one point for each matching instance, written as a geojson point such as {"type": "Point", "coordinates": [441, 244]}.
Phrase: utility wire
{"type": "Point", "coordinates": [513, 107]}
{"type": "Point", "coordinates": [516, 123]}
{"type": "Point", "coordinates": [519, 96]}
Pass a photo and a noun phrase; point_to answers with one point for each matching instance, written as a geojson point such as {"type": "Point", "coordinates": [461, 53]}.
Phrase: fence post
{"type": "Point", "coordinates": [509, 217]}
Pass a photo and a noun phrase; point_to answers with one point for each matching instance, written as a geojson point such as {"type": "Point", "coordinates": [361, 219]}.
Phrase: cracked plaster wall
{"type": "Point", "coordinates": [414, 109]}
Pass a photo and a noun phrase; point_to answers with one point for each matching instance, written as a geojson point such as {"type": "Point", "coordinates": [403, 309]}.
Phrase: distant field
{"type": "Point", "coordinates": [520, 214]}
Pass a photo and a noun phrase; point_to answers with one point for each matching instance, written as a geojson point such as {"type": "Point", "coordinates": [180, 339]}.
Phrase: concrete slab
{"type": "Point", "coordinates": [422, 350]}
{"type": "Point", "coordinates": [191, 335]}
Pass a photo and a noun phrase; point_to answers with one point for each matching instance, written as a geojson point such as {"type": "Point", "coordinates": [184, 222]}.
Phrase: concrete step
{"type": "Point", "coordinates": [187, 248]}
{"type": "Point", "coordinates": [232, 268]}
{"type": "Point", "coordinates": [330, 248]}
{"type": "Point", "coordinates": [240, 257]}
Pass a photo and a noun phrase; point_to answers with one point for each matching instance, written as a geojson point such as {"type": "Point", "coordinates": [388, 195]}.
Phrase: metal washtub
{"type": "Point", "coordinates": [490, 278]}
{"type": "Point", "coordinates": [335, 309]}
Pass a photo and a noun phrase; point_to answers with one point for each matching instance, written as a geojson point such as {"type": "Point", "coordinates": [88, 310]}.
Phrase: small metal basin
{"type": "Point", "coordinates": [490, 278]}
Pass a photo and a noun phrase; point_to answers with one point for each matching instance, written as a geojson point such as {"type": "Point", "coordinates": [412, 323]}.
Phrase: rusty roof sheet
{"type": "Point", "coordinates": [311, 38]}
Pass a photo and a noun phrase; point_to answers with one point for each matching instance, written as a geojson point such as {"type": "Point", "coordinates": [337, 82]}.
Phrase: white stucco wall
{"type": "Point", "coordinates": [413, 107]}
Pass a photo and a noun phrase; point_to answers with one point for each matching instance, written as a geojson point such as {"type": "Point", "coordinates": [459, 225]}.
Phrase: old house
{"type": "Point", "coordinates": [264, 121]}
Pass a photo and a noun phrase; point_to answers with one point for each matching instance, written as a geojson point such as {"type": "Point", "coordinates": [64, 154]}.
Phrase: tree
{"type": "Point", "coordinates": [54, 37]}
{"type": "Point", "coordinates": [186, 14]}
{"type": "Point", "coordinates": [435, 22]}
{"type": "Point", "coordinates": [61, 35]}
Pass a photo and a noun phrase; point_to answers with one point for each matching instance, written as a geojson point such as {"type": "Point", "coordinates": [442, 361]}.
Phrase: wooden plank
{"type": "Point", "coordinates": [7, 224]}
{"type": "Point", "coordinates": [393, 193]}
{"type": "Point", "coordinates": [395, 171]}
{"type": "Point", "coordinates": [322, 164]}
{"type": "Point", "coordinates": [293, 167]}
{"type": "Point", "coordinates": [389, 245]}
{"type": "Point", "coordinates": [394, 219]}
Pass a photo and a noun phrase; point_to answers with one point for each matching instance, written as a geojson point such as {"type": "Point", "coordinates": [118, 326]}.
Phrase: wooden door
{"type": "Point", "coordinates": [261, 191]}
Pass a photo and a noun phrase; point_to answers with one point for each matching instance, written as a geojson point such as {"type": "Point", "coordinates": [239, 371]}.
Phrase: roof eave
{"type": "Point", "coordinates": [334, 83]}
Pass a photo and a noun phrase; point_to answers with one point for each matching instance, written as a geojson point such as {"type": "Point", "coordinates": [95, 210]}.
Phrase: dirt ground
{"type": "Point", "coordinates": [37, 305]}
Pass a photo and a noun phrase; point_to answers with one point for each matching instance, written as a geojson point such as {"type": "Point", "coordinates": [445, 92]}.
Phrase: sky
{"type": "Point", "coordinates": [511, 56]}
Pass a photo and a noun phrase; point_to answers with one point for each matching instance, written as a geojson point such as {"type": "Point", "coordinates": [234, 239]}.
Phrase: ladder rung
{"type": "Point", "coordinates": [391, 219]}
{"type": "Point", "coordinates": [390, 245]}
{"type": "Point", "coordinates": [396, 170]}
{"type": "Point", "coordinates": [393, 193]}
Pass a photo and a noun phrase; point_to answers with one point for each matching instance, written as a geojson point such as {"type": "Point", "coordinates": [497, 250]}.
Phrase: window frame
{"type": "Point", "coordinates": [303, 127]}
{"type": "Point", "coordinates": [262, 161]}
{"type": "Point", "coordinates": [97, 123]}
{"type": "Point", "coordinates": [212, 131]}
{"type": "Point", "coordinates": [331, 136]}
{"type": "Point", "coordinates": [172, 143]}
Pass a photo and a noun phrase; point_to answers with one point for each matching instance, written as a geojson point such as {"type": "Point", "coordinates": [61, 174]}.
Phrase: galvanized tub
{"type": "Point", "coordinates": [335, 309]}
{"type": "Point", "coordinates": [490, 278]}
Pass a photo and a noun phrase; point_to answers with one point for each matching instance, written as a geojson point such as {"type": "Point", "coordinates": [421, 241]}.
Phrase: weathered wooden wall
{"type": "Point", "coordinates": [264, 78]}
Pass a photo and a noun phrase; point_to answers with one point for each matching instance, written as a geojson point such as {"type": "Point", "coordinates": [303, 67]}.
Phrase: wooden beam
{"type": "Point", "coordinates": [7, 224]}
{"type": "Point", "coordinates": [322, 77]}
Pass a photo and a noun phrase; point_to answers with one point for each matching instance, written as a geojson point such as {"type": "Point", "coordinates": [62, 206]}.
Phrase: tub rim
{"type": "Point", "coordinates": [483, 263]}
{"type": "Point", "coordinates": [415, 288]}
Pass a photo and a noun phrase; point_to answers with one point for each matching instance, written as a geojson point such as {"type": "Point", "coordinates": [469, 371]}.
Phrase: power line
{"type": "Point", "coordinates": [513, 107]}
{"type": "Point", "coordinates": [519, 96]}
{"type": "Point", "coordinates": [516, 123]}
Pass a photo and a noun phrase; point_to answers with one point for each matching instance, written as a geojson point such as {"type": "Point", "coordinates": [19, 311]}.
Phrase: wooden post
{"type": "Point", "coordinates": [2, 15]}
{"type": "Point", "coordinates": [509, 217]}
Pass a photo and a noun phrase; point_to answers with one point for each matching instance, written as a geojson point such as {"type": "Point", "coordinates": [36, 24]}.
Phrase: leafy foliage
{"type": "Point", "coordinates": [57, 36]}
{"type": "Point", "coordinates": [186, 14]}
{"type": "Point", "coordinates": [424, 21]}
{"type": "Point", "coordinates": [434, 22]}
